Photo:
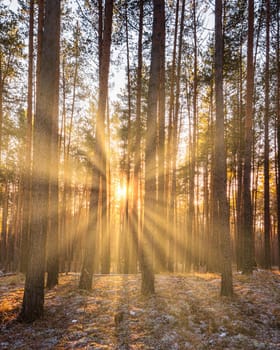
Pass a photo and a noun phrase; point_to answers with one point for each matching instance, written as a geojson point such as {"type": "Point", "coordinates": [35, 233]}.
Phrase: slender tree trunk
{"type": "Point", "coordinates": [67, 239]}
{"type": "Point", "coordinates": [137, 167]}
{"type": "Point", "coordinates": [239, 244]}
{"type": "Point", "coordinates": [221, 221]}
{"type": "Point", "coordinates": [161, 205]}
{"type": "Point", "coordinates": [27, 163]}
{"type": "Point", "coordinates": [192, 233]}
{"type": "Point", "coordinates": [53, 249]}
{"type": "Point", "coordinates": [175, 138]}
{"type": "Point", "coordinates": [210, 248]}
{"type": "Point", "coordinates": [247, 222]}
{"type": "Point", "coordinates": [150, 200]}
{"type": "Point", "coordinates": [267, 225]}
{"type": "Point", "coordinates": [278, 128]}
{"type": "Point", "coordinates": [88, 261]}
{"type": "Point", "coordinates": [170, 151]}
{"type": "Point", "coordinates": [99, 181]}
{"type": "Point", "coordinates": [108, 176]}
{"type": "Point", "coordinates": [3, 247]}
{"type": "Point", "coordinates": [40, 28]}
{"type": "Point", "coordinates": [100, 131]}
{"type": "Point", "coordinates": [126, 235]}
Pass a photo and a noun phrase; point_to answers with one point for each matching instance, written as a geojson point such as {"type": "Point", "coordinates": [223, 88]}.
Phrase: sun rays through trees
{"type": "Point", "coordinates": [138, 137]}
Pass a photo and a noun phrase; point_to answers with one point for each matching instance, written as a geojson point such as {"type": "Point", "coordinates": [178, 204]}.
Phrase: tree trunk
{"type": "Point", "coordinates": [27, 163]}
{"type": "Point", "coordinates": [150, 200]}
{"type": "Point", "coordinates": [239, 238]}
{"type": "Point", "coordinates": [191, 216]}
{"type": "Point", "coordinates": [87, 267]}
{"type": "Point", "coordinates": [100, 130]}
{"type": "Point", "coordinates": [126, 232]}
{"type": "Point", "coordinates": [33, 299]}
{"type": "Point", "coordinates": [137, 168]}
{"type": "Point", "coordinates": [161, 205]}
{"type": "Point", "coordinates": [53, 251]}
{"type": "Point", "coordinates": [170, 151]}
{"type": "Point", "coordinates": [221, 220]}
{"type": "Point", "coordinates": [267, 226]}
{"type": "Point", "coordinates": [99, 182]}
{"type": "Point", "coordinates": [247, 221]}
{"type": "Point", "coordinates": [278, 128]}
{"type": "Point", "coordinates": [175, 138]}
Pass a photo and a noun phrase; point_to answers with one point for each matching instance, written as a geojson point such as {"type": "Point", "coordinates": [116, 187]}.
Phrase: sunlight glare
{"type": "Point", "coordinates": [121, 191]}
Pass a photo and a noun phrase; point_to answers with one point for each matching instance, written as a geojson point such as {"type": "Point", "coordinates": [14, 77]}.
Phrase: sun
{"type": "Point", "coordinates": [121, 191]}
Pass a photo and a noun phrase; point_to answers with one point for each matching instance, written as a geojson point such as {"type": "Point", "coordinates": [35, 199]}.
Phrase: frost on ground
{"type": "Point", "coordinates": [185, 313]}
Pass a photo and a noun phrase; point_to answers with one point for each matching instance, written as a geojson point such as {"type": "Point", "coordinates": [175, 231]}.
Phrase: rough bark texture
{"type": "Point", "coordinates": [137, 157]}
{"type": "Point", "coordinates": [27, 163]}
{"type": "Point", "coordinates": [278, 128]}
{"type": "Point", "coordinates": [161, 205]}
{"type": "Point", "coordinates": [99, 184]}
{"type": "Point", "coordinates": [220, 176]}
{"type": "Point", "coordinates": [150, 201]}
{"type": "Point", "coordinates": [100, 130]}
{"type": "Point", "coordinates": [267, 225]}
{"type": "Point", "coordinates": [53, 251]}
{"type": "Point", "coordinates": [247, 220]}
{"type": "Point", "coordinates": [33, 300]}
{"type": "Point", "coordinates": [169, 151]}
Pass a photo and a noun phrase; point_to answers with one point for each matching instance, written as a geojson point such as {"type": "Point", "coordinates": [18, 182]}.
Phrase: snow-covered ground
{"type": "Point", "coordinates": [185, 313]}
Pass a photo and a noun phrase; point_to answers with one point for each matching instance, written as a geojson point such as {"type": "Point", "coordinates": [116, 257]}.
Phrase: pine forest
{"type": "Point", "coordinates": [140, 174]}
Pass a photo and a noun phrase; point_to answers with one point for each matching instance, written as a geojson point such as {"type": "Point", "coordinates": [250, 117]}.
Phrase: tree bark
{"type": "Point", "coordinates": [247, 221]}
{"type": "Point", "coordinates": [100, 130]}
{"type": "Point", "coordinates": [99, 182]}
{"type": "Point", "coordinates": [221, 221]}
{"type": "Point", "coordinates": [278, 127]}
{"type": "Point", "coordinates": [170, 151]}
{"type": "Point", "coordinates": [33, 299]}
{"type": "Point", "coordinates": [150, 200]}
{"type": "Point", "coordinates": [27, 163]}
{"type": "Point", "coordinates": [161, 205]}
{"type": "Point", "coordinates": [267, 225]}
{"type": "Point", "coordinates": [137, 157]}
{"type": "Point", "coordinates": [53, 250]}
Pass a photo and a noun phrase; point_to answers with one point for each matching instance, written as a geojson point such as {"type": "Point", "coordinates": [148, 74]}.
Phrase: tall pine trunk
{"type": "Point", "coordinates": [33, 299]}
{"type": "Point", "coordinates": [104, 65]}
{"type": "Point", "coordinates": [52, 241]}
{"type": "Point", "coordinates": [170, 151]}
{"type": "Point", "coordinates": [150, 200]}
{"type": "Point", "coordinates": [99, 181]}
{"type": "Point", "coordinates": [221, 220]}
{"type": "Point", "coordinates": [28, 144]}
{"type": "Point", "coordinates": [137, 157]}
{"type": "Point", "coordinates": [267, 225]}
{"type": "Point", "coordinates": [247, 220]}
{"type": "Point", "coordinates": [161, 205]}
{"type": "Point", "coordinates": [128, 253]}
{"type": "Point", "coordinates": [278, 128]}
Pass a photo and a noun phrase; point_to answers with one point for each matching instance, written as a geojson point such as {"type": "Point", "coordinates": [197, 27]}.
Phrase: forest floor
{"type": "Point", "coordinates": [186, 312]}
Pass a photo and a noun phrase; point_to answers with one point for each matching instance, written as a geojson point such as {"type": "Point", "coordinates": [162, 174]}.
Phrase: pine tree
{"type": "Point", "coordinates": [150, 201]}
{"type": "Point", "coordinates": [220, 175]}
{"type": "Point", "coordinates": [33, 299]}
